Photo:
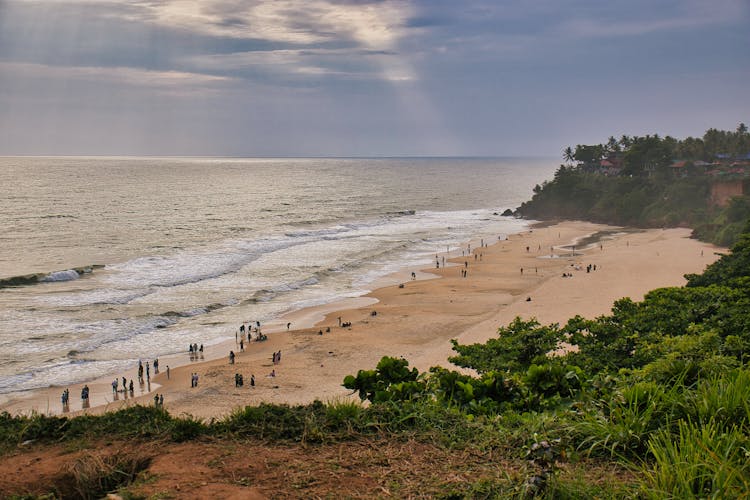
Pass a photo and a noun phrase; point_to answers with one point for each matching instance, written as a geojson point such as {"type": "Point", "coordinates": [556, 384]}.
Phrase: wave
{"type": "Point", "coordinates": [402, 213]}
{"type": "Point", "coordinates": [68, 275]}
{"type": "Point", "coordinates": [54, 276]}
{"type": "Point", "coordinates": [318, 232]}
{"type": "Point", "coordinates": [57, 216]}
{"type": "Point", "coordinates": [197, 311]}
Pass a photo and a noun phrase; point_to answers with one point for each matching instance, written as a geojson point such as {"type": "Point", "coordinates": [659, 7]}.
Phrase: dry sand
{"type": "Point", "coordinates": [418, 320]}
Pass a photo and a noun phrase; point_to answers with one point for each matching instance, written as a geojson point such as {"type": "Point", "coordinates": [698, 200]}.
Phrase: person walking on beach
{"type": "Point", "coordinates": [131, 387]}
{"type": "Point", "coordinates": [114, 386]}
{"type": "Point", "coordinates": [156, 366]}
{"type": "Point", "coordinates": [252, 380]}
{"type": "Point", "coordinates": [167, 372]}
{"type": "Point", "coordinates": [242, 345]}
{"type": "Point", "coordinates": [231, 357]}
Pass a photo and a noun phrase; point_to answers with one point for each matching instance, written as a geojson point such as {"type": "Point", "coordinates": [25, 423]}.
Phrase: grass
{"type": "Point", "coordinates": [94, 475]}
{"type": "Point", "coordinates": [721, 400]}
{"type": "Point", "coordinates": [700, 461]}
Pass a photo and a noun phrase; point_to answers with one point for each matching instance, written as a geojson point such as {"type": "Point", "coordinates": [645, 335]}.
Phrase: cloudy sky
{"type": "Point", "coordinates": [365, 77]}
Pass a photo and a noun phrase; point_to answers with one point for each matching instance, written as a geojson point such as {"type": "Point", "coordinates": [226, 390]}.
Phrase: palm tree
{"type": "Point", "coordinates": [612, 145]}
{"type": "Point", "coordinates": [568, 155]}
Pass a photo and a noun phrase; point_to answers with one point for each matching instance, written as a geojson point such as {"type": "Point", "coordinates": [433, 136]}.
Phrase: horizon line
{"type": "Point", "coordinates": [268, 157]}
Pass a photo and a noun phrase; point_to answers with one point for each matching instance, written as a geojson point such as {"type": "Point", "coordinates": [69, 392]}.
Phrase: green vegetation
{"type": "Point", "coordinates": [660, 385]}
{"type": "Point", "coordinates": [651, 182]}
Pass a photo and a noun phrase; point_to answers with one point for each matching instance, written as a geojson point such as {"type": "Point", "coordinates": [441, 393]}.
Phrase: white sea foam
{"type": "Point", "coordinates": [68, 275]}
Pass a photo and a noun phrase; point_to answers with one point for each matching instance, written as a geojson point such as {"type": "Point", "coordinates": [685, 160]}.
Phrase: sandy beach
{"type": "Point", "coordinates": [417, 320]}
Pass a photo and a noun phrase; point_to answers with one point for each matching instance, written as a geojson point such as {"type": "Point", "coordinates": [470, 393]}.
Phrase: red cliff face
{"type": "Point", "coordinates": [723, 191]}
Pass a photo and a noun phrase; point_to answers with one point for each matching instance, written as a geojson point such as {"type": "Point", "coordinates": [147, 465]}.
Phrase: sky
{"type": "Point", "coordinates": [365, 77]}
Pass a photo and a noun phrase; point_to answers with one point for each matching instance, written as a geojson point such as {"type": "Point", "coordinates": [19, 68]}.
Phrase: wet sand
{"type": "Point", "coordinates": [417, 320]}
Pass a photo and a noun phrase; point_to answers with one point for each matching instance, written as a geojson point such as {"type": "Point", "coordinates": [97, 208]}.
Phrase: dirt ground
{"type": "Point", "coordinates": [235, 469]}
{"type": "Point", "coordinates": [246, 469]}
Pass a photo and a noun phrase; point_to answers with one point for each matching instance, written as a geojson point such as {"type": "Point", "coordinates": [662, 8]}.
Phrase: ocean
{"type": "Point", "coordinates": [105, 261]}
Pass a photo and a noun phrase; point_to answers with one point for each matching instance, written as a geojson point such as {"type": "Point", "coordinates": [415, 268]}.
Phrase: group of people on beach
{"type": "Point", "coordinates": [195, 352]}
{"type": "Point", "coordinates": [125, 387]}
{"type": "Point", "coordinates": [65, 398]}
{"type": "Point", "coordinates": [239, 380]}
{"type": "Point", "coordinates": [251, 333]}
{"type": "Point", "coordinates": [578, 267]}
{"type": "Point", "coordinates": [148, 371]}
{"type": "Point", "coordinates": [250, 329]}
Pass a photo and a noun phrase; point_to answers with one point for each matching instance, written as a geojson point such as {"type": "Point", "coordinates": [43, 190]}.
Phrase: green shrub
{"type": "Point", "coordinates": [391, 380]}
{"type": "Point", "coordinates": [721, 400]}
{"type": "Point", "coordinates": [622, 425]}
{"type": "Point", "coordinates": [186, 428]}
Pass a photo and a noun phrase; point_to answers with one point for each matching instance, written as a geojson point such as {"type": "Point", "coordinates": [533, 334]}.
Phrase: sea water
{"type": "Point", "coordinates": [134, 258]}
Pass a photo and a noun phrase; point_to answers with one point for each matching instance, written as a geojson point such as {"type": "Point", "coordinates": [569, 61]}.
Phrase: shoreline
{"type": "Point", "coordinates": [46, 400]}
{"type": "Point", "coordinates": [418, 320]}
